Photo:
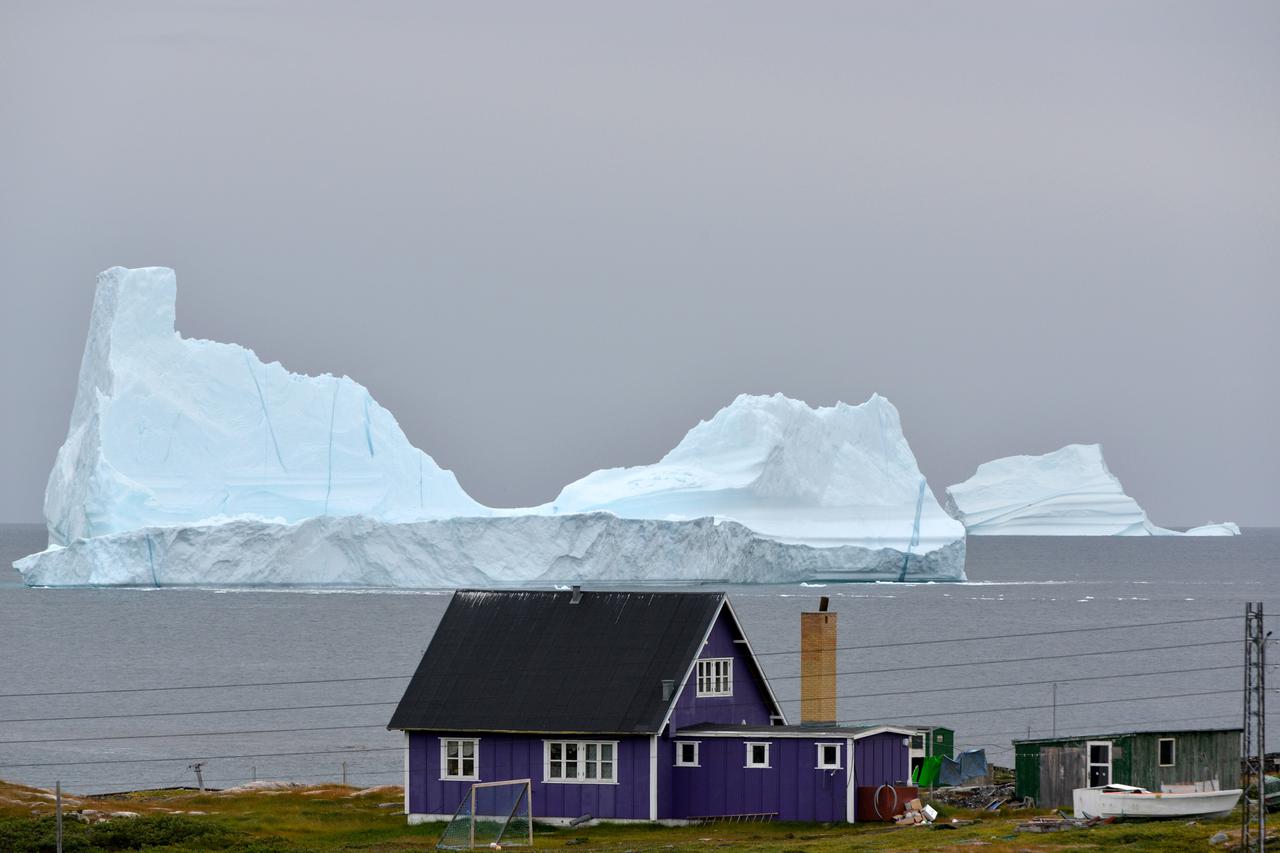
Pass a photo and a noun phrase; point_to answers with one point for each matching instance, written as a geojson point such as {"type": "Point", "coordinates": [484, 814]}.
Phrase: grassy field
{"type": "Point", "coordinates": [333, 818]}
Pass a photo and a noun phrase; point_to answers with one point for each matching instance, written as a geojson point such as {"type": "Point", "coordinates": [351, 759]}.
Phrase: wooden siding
{"type": "Point", "coordinates": [1049, 770]}
{"type": "Point", "coordinates": [1198, 757]}
{"type": "Point", "coordinates": [1062, 770]}
{"type": "Point", "coordinates": [505, 756]}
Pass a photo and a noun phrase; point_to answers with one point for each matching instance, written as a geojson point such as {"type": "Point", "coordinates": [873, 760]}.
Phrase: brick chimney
{"type": "Point", "coordinates": [818, 666]}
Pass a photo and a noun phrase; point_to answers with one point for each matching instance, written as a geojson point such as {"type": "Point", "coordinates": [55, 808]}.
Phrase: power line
{"type": "Point", "coordinates": [758, 654]}
{"type": "Point", "coordinates": [1033, 658]}
{"type": "Point", "coordinates": [367, 704]}
{"type": "Point", "coordinates": [201, 686]}
{"type": "Point", "coordinates": [205, 757]}
{"type": "Point", "coordinates": [1059, 705]}
{"type": "Point", "coordinates": [192, 713]}
{"type": "Point", "coordinates": [197, 734]}
{"type": "Point", "coordinates": [240, 779]}
{"type": "Point", "coordinates": [1019, 635]}
{"type": "Point", "coordinates": [1118, 723]}
{"type": "Point", "coordinates": [1234, 666]}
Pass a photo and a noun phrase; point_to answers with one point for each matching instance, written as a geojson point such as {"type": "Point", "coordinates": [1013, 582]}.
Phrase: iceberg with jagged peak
{"type": "Point", "coordinates": [191, 462]}
{"type": "Point", "coordinates": [836, 475]}
{"type": "Point", "coordinates": [167, 430]}
{"type": "Point", "coordinates": [1069, 492]}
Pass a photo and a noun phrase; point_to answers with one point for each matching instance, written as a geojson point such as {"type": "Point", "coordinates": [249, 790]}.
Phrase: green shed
{"type": "Point", "coordinates": [1049, 769]}
{"type": "Point", "coordinates": [931, 740]}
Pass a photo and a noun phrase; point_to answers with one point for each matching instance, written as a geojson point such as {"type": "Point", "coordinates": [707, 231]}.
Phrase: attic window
{"type": "Point", "coordinates": [715, 677]}
{"type": "Point", "coordinates": [1167, 752]}
{"type": "Point", "coordinates": [757, 755]}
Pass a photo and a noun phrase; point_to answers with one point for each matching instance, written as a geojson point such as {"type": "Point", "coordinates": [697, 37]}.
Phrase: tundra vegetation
{"type": "Point", "coordinates": [334, 818]}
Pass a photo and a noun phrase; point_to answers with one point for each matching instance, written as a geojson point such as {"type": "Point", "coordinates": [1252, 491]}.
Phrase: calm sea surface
{"type": "Point", "coordinates": [1175, 673]}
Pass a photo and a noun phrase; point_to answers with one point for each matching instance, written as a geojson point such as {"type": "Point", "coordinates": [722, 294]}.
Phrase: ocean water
{"type": "Point", "coordinates": [976, 656]}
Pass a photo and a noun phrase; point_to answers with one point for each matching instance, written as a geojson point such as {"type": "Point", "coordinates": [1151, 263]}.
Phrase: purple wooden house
{"type": "Point", "coordinates": [626, 706]}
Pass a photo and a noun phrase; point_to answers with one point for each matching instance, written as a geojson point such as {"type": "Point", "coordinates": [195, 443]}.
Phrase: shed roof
{"type": "Point", "coordinates": [1128, 733]}
{"type": "Point", "coordinates": [535, 661]}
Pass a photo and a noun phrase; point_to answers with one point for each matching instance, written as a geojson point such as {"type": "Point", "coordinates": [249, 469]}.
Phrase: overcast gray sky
{"type": "Point", "coordinates": [552, 236]}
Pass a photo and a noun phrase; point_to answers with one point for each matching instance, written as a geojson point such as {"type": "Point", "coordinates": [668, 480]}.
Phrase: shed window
{"type": "Point", "coordinates": [1167, 752]}
{"type": "Point", "coordinates": [715, 677]}
{"type": "Point", "coordinates": [1099, 763]}
{"type": "Point", "coordinates": [757, 755]}
{"type": "Point", "coordinates": [828, 756]}
{"type": "Point", "coordinates": [458, 758]}
{"type": "Point", "coordinates": [686, 753]}
{"type": "Point", "coordinates": [917, 741]}
{"type": "Point", "coordinates": [583, 762]}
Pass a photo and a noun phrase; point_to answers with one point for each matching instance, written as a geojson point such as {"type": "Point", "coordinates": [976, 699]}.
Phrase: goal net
{"type": "Point", "coordinates": [492, 813]}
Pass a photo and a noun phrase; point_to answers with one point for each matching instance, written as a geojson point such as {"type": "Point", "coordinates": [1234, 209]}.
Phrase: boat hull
{"type": "Point", "coordinates": [1152, 805]}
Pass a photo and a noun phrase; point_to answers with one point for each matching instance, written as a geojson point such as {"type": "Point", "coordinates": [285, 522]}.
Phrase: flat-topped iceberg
{"type": "Point", "coordinates": [192, 462]}
{"type": "Point", "coordinates": [1068, 492]}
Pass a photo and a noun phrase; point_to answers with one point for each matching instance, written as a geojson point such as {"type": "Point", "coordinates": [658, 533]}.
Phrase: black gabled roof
{"type": "Point", "coordinates": [525, 661]}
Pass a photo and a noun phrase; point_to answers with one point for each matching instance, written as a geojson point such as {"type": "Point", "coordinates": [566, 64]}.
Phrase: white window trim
{"type": "Point", "coordinates": [444, 758]}
{"type": "Point", "coordinates": [754, 743]}
{"type": "Point", "coordinates": [1090, 763]}
{"type": "Point", "coordinates": [1173, 743]}
{"type": "Point", "coordinates": [697, 753]}
{"type": "Point", "coordinates": [582, 753]}
{"type": "Point", "coordinates": [823, 765]}
{"type": "Point", "coordinates": [709, 662]}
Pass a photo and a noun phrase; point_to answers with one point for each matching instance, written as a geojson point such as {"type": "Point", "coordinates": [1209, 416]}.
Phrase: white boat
{"type": "Point", "coordinates": [1128, 801]}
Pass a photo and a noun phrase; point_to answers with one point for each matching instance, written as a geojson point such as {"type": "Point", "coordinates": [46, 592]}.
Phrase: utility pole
{"type": "Point", "coordinates": [198, 767]}
{"type": "Point", "coordinates": [1254, 741]}
{"type": "Point", "coordinates": [58, 795]}
{"type": "Point", "coordinates": [344, 774]}
{"type": "Point", "coordinates": [1055, 709]}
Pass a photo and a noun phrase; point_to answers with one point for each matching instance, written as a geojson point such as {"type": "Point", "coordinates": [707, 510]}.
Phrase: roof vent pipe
{"type": "Point", "coordinates": [823, 604]}
{"type": "Point", "coordinates": [577, 594]}
{"type": "Point", "coordinates": [668, 687]}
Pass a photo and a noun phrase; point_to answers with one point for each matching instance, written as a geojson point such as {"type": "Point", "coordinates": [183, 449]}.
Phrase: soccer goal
{"type": "Point", "coordinates": [492, 814]}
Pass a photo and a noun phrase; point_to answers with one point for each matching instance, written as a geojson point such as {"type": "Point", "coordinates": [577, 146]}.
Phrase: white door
{"type": "Point", "coordinates": [1099, 763]}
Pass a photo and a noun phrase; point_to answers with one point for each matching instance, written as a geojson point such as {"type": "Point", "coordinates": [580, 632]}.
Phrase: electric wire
{"type": "Point", "coordinates": [201, 686]}
{"type": "Point", "coordinates": [359, 751]}
{"type": "Point", "coordinates": [194, 713]}
{"type": "Point", "coordinates": [757, 654]}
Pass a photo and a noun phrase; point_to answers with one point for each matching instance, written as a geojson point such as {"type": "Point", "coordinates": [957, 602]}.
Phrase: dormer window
{"type": "Point", "coordinates": [715, 677]}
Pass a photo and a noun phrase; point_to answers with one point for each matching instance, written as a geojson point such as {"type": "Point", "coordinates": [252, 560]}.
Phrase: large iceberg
{"type": "Point", "coordinates": [192, 462]}
{"type": "Point", "coordinates": [167, 430]}
{"type": "Point", "coordinates": [1068, 492]}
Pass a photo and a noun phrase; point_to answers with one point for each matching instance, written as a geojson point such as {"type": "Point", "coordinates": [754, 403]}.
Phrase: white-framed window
{"type": "Point", "coordinates": [580, 762]}
{"type": "Point", "coordinates": [1099, 762]}
{"type": "Point", "coordinates": [460, 758]}
{"type": "Point", "coordinates": [1167, 751]}
{"type": "Point", "coordinates": [715, 677]}
{"type": "Point", "coordinates": [757, 755]}
{"type": "Point", "coordinates": [828, 756]}
{"type": "Point", "coordinates": [687, 753]}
